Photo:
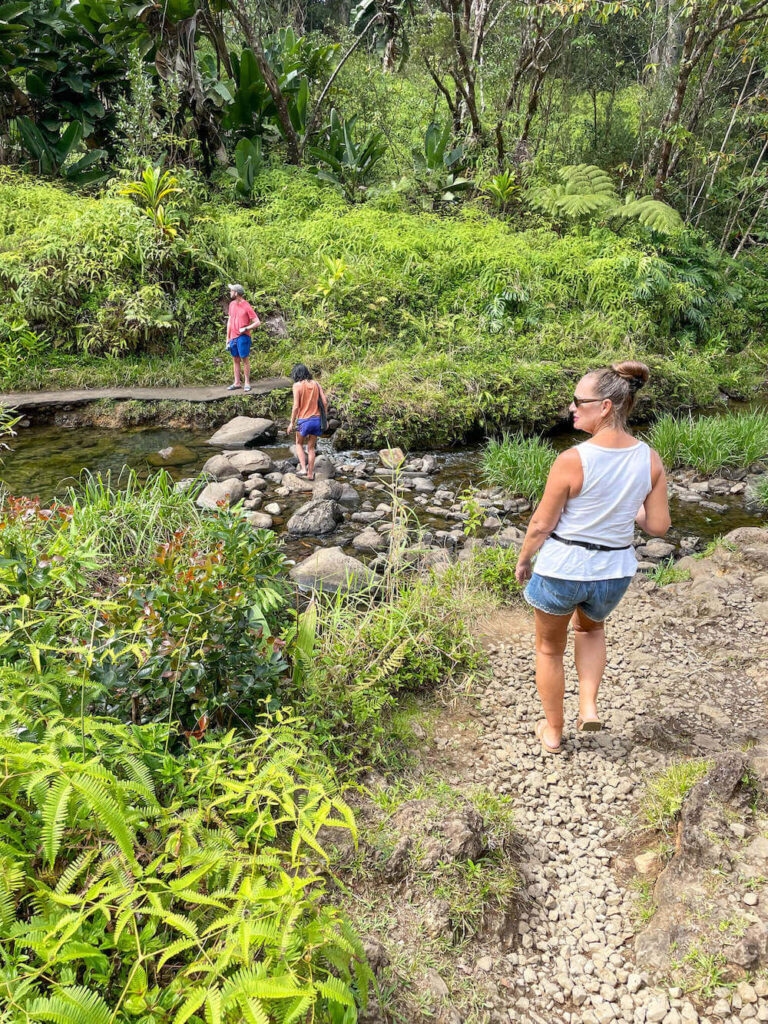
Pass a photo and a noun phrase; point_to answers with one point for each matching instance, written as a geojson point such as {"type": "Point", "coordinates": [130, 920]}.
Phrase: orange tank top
{"type": "Point", "coordinates": [306, 399]}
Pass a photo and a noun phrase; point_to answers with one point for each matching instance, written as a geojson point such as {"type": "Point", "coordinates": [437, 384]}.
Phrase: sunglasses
{"type": "Point", "coordinates": [583, 401]}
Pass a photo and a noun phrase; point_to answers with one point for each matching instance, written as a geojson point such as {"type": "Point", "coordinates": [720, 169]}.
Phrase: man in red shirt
{"type": "Point", "coordinates": [240, 322]}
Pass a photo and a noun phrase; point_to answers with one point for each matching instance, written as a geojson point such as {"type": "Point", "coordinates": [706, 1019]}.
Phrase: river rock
{"type": "Point", "coordinates": [176, 455]}
{"type": "Point", "coordinates": [221, 493]}
{"type": "Point", "coordinates": [422, 485]}
{"type": "Point", "coordinates": [392, 458]}
{"type": "Point", "coordinates": [658, 548]}
{"type": "Point", "coordinates": [752, 542]}
{"type": "Point", "coordinates": [256, 482]}
{"type": "Point", "coordinates": [327, 490]}
{"type": "Point", "coordinates": [295, 484]}
{"type": "Point", "coordinates": [509, 537]}
{"type": "Point", "coordinates": [273, 508]}
{"type": "Point", "coordinates": [324, 468]}
{"type": "Point", "coordinates": [220, 468]}
{"type": "Point", "coordinates": [330, 569]}
{"type": "Point", "coordinates": [243, 431]}
{"type": "Point", "coordinates": [315, 518]}
{"type": "Point", "coordinates": [251, 461]}
{"type": "Point", "coordinates": [370, 541]}
{"type": "Point", "coordinates": [259, 520]}
{"type": "Point", "coordinates": [349, 496]}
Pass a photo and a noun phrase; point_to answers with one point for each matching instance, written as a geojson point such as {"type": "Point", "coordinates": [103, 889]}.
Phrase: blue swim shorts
{"type": "Point", "coordinates": [240, 346]}
{"type": "Point", "coordinates": [312, 426]}
{"type": "Point", "coordinates": [596, 598]}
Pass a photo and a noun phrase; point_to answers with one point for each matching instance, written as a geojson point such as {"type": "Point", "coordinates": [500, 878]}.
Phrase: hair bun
{"type": "Point", "coordinates": [636, 374]}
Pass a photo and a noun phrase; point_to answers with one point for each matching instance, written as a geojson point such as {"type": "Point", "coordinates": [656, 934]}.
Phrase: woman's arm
{"type": "Point", "coordinates": [294, 409]}
{"type": "Point", "coordinates": [565, 479]}
{"type": "Point", "coordinates": [654, 518]}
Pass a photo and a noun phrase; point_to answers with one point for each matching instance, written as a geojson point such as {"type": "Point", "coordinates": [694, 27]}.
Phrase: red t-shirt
{"type": "Point", "coordinates": [240, 315]}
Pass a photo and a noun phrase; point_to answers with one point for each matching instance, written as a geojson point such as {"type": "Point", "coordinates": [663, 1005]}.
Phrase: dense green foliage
{"type": "Point", "coordinates": [519, 464]}
{"type": "Point", "coordinates": [426, 328]}
{"type": "Point", "coordinates": [712, 443]}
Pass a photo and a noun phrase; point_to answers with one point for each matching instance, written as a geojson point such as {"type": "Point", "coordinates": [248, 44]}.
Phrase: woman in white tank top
{"type": "Point", "coordinates": [583, 531]}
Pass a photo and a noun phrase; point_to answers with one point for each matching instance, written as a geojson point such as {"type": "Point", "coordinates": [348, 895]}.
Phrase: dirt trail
{"type": "Point", "coordinates": [687, 676]}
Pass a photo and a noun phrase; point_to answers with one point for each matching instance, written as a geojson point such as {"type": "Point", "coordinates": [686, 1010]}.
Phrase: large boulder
{"type": "Point", "coordinates": [751, 542]}
{"type": "Point", "coordinates": [218, 467]}
{"type": "Point", "coordinates": [315, 519]}
{"type": "Point", "coordinates": [251, 461]}
{"type": "Point", "coordinates": [329, 569]}
{"type": "Point", "coordinates": [243, 431]}
{"type": "Point", "coordinates": [392, 458]}
{"type": "Point", "coordinates": [221, 494]}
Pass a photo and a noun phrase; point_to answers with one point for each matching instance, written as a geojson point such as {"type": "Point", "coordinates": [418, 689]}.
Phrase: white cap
{"type": "Point", "coordinates": [236, 288]}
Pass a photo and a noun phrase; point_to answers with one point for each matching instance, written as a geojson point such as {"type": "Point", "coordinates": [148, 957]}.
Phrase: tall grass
{"type": "Point", "coordinates": [709, 443]}
{"type": "Point", "coordinates": [518, 464]}
{"type": "Point", "coordinates": [127, 520]}
{"type": "Point", "coordinates": [762, 491]}
{"type": "Point", "coordinates": [667, 790]}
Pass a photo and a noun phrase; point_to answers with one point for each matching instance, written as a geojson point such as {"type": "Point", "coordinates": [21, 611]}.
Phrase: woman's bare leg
{"type": "Point", "coordinates": [551, 638]}
{"type": "Point", "coordinates": [589, 643]}
{"type": "Point", "coordinates": [300, 453]}
{"type": "Point", "coordinates": [311, 442]}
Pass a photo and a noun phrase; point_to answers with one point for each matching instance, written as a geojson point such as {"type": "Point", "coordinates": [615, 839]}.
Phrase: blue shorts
{"type": "Point", "coordinates": [240, 346]}
{"type": "Point", "coordinates": [596, 598]}
{"type": "Point", "coordinates": [312, 426]}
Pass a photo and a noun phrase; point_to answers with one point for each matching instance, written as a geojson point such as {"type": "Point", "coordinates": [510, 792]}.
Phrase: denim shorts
{"type": "Point", "coordinates": [596, 598]}
{"type": "Point", "coordinates": [240, 346]}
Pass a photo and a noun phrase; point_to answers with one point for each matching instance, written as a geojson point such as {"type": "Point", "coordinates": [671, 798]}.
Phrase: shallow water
{"type": "Point", "coordinates": [45, 461]}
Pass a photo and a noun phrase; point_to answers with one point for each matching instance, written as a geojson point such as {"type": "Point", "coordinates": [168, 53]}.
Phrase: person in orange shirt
{"type": "Point", "coordinates": [240, 322]}
{"type": "Point", "coordinates": [307, 417]}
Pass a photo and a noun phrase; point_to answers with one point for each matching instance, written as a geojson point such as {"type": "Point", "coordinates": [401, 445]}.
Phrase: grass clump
{"type": "Point", "coordinates": [518, 464]}
{"type": "Point", "coordinates": [666, 791]}
{"type": "Point", "coordinates": [493, 569]}
{"type": "Point", "coordinates": [762, 491]}
{"type": "Point", "coordinates": [665, 573]}
{"type": "Point", "coordinates": [710, 443]}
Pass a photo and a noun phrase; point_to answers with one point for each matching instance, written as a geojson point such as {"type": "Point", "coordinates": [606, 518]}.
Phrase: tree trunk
{"type": "Point", "coordinates": [270, 80]}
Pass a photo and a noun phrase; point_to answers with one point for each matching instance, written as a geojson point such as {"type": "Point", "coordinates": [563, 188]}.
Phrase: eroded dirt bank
{"type": "Point", "coordinates": [582, 938]}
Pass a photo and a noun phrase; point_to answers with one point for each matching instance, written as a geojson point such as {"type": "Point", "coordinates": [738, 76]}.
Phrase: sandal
{"type": "Point", "coordinates": [589, 724]}
{"type": "Point", "coordinates": [233, 387]}
{"type": "Point", "coordinates": [247, 387]}
{"type": "Point", "coordinates": [546, 748]}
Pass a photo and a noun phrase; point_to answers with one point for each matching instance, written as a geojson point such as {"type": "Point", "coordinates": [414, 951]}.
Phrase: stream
{"type": "Point", "coordinates": [44, 461]}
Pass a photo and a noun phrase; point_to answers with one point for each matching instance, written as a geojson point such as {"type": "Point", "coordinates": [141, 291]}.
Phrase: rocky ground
{"type": "Point", "coordinates": [602, 923]}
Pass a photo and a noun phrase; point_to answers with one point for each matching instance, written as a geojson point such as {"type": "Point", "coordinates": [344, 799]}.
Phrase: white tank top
{"type": "Point", "coordinates": [616, 483]}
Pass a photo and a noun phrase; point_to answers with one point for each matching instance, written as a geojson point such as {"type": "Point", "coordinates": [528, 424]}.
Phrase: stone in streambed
{"type": "Point", "coordinates": [176, 455]}
{"type": "Point", "coordinates": [295, 484]}
{"type": "Point", "coordinates": [242, 431]}
{"type": "Point", "coordinates": [259, 520]}
{"type": "Point", "coordinates": [370, 541]}
{"type": "Point", "coordinates": [218, 467]}
{"type": "Point", "coordinates": [251, 461]}
{"type": "Point", "coordinates": [315, 519]}
{"type": "Point", "coordinates": [392, 458]}
{"type": "Point", "coordinates": [329, 569]}
{"type": "Point", "coordinates": [509, 537]}
{"type": "Point", "coordinates": [221, 494]}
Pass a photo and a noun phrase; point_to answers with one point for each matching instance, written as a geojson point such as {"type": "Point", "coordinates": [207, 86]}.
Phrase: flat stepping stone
{"type": "Point", "coordinates": [55, 399]}
{"type": "Point", "coordinates": [242, 431]}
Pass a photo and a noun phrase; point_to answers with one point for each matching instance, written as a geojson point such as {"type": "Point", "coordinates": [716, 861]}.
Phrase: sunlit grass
{"type": "Point", "coordinates": [666, 791]}
{"type": "Point", "coordinates": [518, 464]}
{"type": "Point", "coordinates": [710, 443]}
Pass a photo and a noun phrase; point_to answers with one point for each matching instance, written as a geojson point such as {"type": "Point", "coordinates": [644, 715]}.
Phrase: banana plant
{"type": "Point", "coordinates": [249, 160]}
{"type": "Point", "coordinates": [345, 163]}
{"type": "Point", "coordinates": [53, 158]}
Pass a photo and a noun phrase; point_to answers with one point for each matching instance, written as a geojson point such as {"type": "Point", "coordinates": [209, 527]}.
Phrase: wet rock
{"type": "Point", "coordinates": [273, 508]}
{"type": "Point", "coordinates": [274, 477]}
{"type": "Point", "coordinates": [658, 548]}
{"type": "Point", "coordinates": [325, 469]}
{"type": "Point", "coordinates": [327, 490]}
{"type": "Point", "coordinates": [218, 467]}
{"type": "Point", "coordinates": [221, 494]}
{"type": "Point", "coordinates": [349, 496]}
{"type": "Point", "coordinates": [422, 485]}
{"type": "Point", "coordinates": [509, 537]}
{"type": "Point", "coordinates": [315, 519]}
{"type": "Point", "coordinates": [176, 455]}
{"type": "Point", "coordinates": [370, 541]}
{"type": "Point", "coordinates": [243, 431]}
{"type": "Point", "coordinates": [330, 569]}
{"type": "Point", "coordinates": [251, 461]}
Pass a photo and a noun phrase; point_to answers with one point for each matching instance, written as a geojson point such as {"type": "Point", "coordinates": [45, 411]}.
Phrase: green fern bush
{"type": "Point", "coordinates": [587, 193]}
{"type": "Point", "coordinates": [137, 885]}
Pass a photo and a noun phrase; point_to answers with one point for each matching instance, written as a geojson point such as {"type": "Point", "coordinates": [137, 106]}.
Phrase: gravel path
{"type": "Point", "coordinates": [687, 676]}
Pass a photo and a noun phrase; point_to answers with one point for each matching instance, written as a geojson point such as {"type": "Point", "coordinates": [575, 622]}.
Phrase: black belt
{"type": "Point", "coordinates": [587, 545]}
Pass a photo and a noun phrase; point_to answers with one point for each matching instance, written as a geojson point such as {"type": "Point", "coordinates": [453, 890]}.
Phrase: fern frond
{"type": "Point", "coordinates": [54, 817]}
{"type": "Point", "coordinates": [75, 1005]}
